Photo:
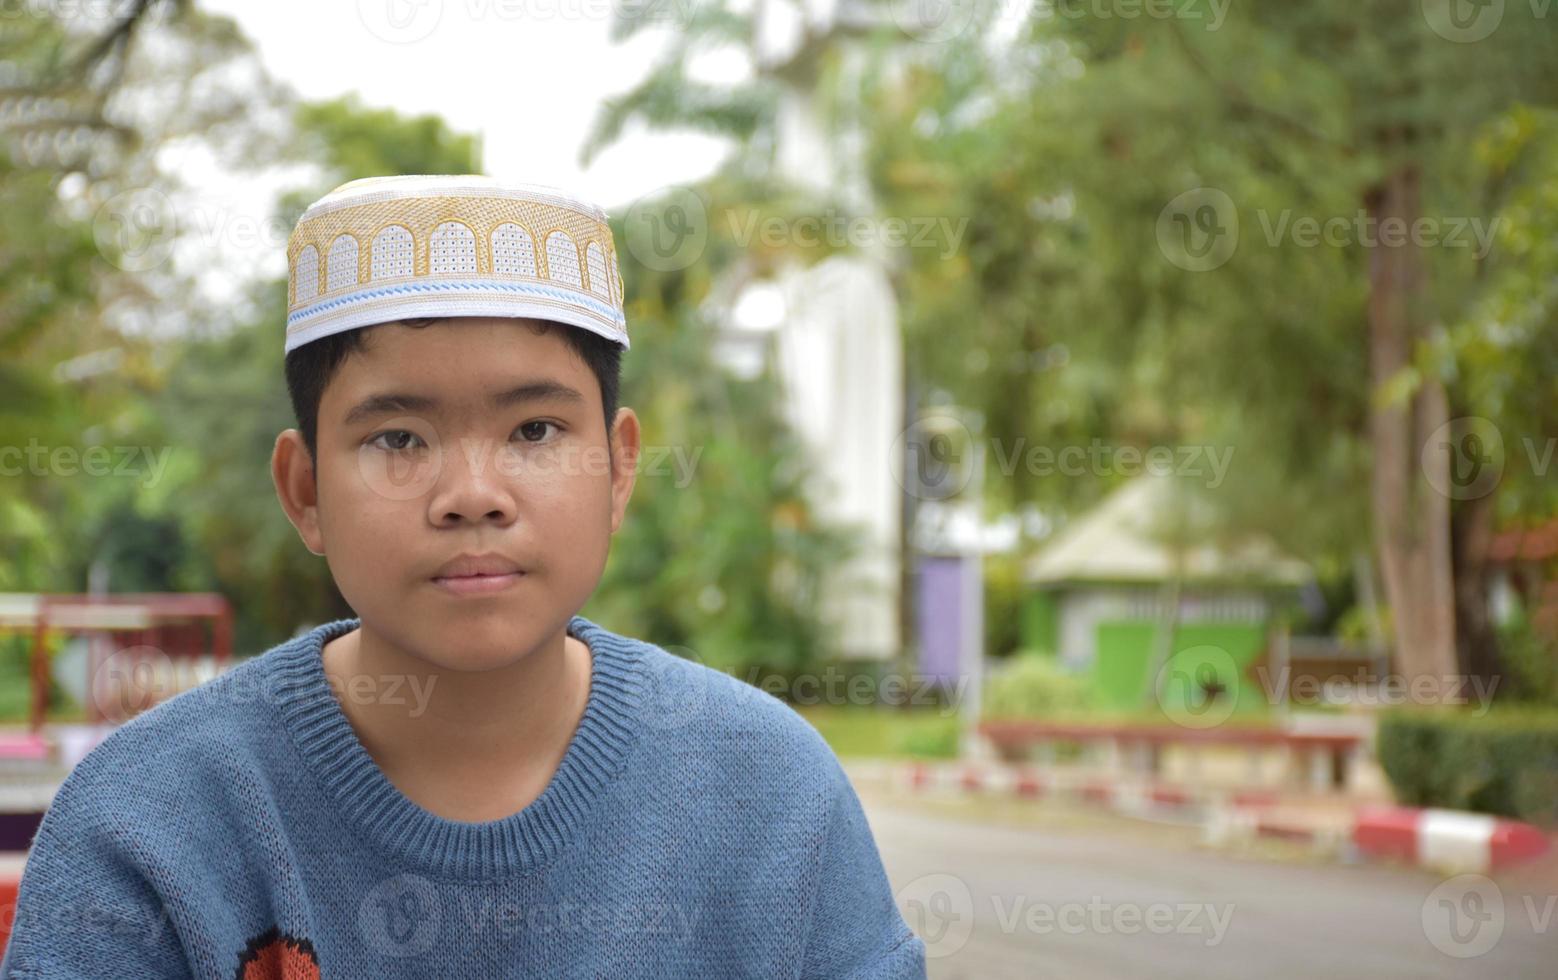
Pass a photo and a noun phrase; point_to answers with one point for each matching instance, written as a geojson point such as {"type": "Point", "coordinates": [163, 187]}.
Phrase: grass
{"type": "Point", "coordinates": [886, 733]}
{"type": "Point", "coordinates": [16, 686]}
{"type": "Point", "coordinates": [860, 732]}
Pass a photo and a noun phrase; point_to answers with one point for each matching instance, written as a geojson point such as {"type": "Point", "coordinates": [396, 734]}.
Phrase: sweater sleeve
{"type": "Point", "coordinates": [84, 911]}
{"type": "Point", "coordinates": [857, 932]}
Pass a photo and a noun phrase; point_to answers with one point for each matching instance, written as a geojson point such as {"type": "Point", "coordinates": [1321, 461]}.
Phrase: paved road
{"type": "Point", "coordinates": [997, 902]}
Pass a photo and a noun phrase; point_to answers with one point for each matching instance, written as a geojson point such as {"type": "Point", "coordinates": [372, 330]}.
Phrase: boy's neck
{"type": "Point", "coordinates": [469, 746]}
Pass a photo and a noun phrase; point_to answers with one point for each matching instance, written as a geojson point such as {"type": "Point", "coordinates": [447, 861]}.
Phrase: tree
{"type": "Point", "coordinates": [1325, 362]}
{"type": "Point", "coordinates": [81, 199]}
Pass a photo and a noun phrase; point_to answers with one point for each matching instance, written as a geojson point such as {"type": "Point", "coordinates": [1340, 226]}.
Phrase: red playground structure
{"type": "Point", "coordinates": [142, 647]}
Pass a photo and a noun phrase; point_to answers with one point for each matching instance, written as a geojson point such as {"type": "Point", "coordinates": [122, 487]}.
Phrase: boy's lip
{"type": "Point", "coordinates": [468, 565]}
{"type": "Point", "coordinates": [478, 584]}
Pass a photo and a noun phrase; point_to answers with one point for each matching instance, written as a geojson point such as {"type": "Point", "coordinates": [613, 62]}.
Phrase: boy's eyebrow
{"type": "Point", "coordinates": [387, 403]}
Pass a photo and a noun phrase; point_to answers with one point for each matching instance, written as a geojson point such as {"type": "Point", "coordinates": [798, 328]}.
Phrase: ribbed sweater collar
{"type": "Point", "coordinates": [370, 803]}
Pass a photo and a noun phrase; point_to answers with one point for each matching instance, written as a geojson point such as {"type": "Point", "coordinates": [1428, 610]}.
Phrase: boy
{"type": "Point", "coordinates": [469, 780]}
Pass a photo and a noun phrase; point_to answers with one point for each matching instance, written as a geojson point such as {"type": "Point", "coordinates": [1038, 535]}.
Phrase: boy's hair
{"type": "Point", "coordinates": [310, 368]}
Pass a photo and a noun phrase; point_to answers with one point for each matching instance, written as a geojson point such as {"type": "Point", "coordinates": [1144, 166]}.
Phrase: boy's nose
{"type": "Point", "coordinates": [470, 489]}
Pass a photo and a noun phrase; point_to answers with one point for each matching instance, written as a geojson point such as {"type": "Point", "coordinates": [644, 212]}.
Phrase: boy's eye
{"type": "Point", "coordinates": [400, 440]}
{"type": "Point", "coordinates": [535, 431]}
{"type": "Point", "coordinates": [395, 440]}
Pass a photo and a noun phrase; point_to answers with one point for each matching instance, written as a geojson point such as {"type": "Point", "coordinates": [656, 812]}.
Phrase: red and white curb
{"type": "Point", "coordinates": [1444, 840]}
{"type": "Point", "coordinates": [1030, 783]}
{"type": "Point", "coordinates": [1450, 841]}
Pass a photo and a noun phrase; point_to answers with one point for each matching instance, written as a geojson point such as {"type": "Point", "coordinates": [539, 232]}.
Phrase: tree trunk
{"type": "Point", "coordinates": [1472, 532]}
{"type": "Point", "coordinates": [1411, 519]}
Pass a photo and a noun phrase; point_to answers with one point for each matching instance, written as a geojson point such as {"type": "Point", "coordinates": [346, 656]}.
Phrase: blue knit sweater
{"type": "Point", "coordinates": [696, 828]}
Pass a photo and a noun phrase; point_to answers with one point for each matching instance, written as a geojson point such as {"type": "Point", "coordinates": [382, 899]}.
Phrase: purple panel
{"type": "Point", "coordinates": [939, 612]}
{"type": "Point", "coordinates": [17, 830]}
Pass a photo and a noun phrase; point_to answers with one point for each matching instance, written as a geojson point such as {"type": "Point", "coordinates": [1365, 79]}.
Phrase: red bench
{"type": "Point", "coordinates": [1328, 753]}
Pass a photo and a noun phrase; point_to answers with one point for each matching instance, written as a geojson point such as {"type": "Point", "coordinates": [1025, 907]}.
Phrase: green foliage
{"type": "Point", "coordinates": [1035, 686]}
{"type": "Point", "coordinates": [936, 738]}
{"type": "Point", "coordinates": [866, 733]}
{"type": "Point", "coordinates": [1005, 603]}
{"type": "Point", "coordinates": [1063, 152]}
{"type": "Point", "coordinates": [75, 380]}
{"type": "Point", "coordinates": [1530, 660]}
{"type": "Point", "coordinates": [15, 677]}
{"type": "Point", "coordinates": [244, 546]}
{"type": "Point", "coordinates": [720, 554]}
{"type": "Point", "coordinates": [16, 682]}
{"type": "Point", "coordinates": [1504, 763]}
{"type": "Point", "coordinates": [354, 141]}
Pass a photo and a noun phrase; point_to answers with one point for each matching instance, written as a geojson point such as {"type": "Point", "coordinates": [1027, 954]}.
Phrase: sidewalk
{"type": "Point", "coordinates": [1340, 826]}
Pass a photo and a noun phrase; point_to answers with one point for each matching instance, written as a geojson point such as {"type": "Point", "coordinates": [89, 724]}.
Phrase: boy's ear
{"type": "Point", "coordinates": [623, 445]}
{"type": "Point", "coordinates": [292, 471]}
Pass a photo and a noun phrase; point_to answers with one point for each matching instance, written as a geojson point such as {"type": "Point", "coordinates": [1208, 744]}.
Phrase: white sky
{"type": "Point", "coordinates": [528, 75]}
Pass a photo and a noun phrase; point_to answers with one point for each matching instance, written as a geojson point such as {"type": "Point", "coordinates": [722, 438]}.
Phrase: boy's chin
{"type": "Point", "coordinates": [476, 641]}
{"type": "Point", "coordinates": [473, 662]}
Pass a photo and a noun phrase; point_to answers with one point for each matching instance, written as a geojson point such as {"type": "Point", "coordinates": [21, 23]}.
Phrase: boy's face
{"type": "Point", "coordinates": [475, 436]}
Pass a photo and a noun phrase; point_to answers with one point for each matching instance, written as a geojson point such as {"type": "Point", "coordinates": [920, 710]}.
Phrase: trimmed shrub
{"type": "Point", "coordinates": [933, 738]}
{"type": "Point", "coordinates": [1503, 763]}
{"type": "Point", "coordinates": [1035, 686]}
